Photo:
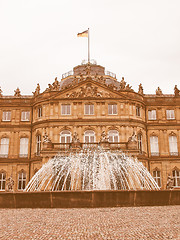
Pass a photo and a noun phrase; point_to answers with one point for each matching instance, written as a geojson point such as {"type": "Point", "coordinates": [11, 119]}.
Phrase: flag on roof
{"type": "Point", "coordinates": [83, 34]}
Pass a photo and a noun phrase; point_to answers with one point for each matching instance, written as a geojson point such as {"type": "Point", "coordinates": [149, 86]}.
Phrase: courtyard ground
{"type": "Point", "coordinates": [139, 223]}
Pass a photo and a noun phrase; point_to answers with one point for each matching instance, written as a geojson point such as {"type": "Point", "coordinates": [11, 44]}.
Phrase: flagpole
{"type": "Point", "coordinates": [88, 48]}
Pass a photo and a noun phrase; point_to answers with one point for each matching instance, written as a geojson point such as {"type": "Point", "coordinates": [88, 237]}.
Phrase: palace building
{"type": "Point", "coordinates": [87, 108]}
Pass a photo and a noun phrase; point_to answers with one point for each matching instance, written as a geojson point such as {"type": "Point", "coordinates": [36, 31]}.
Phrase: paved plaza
{"type": "Point", "coordinates": [97, 223]}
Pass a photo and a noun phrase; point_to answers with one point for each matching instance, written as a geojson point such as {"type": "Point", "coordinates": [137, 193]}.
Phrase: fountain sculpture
{"type": "Point", "coordinates": [92, 169]}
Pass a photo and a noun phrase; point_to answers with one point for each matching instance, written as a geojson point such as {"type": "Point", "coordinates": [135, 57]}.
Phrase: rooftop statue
{"type": "Point", "coordinates": [17, 93]}
{"type": "Point", "coordinates": [176, 91]}
{"type": "Point", "coordinates": [159, 91]}
{"type": "Point", "coordinates": [140, 91]}
{"type": "Point", "coordinates": [37, 91]}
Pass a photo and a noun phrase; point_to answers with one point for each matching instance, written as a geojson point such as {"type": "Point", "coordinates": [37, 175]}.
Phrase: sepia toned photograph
{"type": "Point", "coordinates": [90, 120]}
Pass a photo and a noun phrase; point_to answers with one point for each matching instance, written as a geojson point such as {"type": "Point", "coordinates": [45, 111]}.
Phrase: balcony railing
{"type": "Point", "coordinates": [67, 74]}
{"type": "Point", "coordinates": [108, 73]}
{"type": "Point", "coordinates": [3, 155]}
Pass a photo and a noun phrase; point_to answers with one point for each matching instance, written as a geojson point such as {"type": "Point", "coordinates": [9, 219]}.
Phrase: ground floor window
{"type": "Point", "coordinates": [2, 181]}
{"type": "Point", "coordinates": [157, 177]}
{"type": "Point", "coordinates": [21, 180]}
{"type": "Point", "coordinates": [176, 178]}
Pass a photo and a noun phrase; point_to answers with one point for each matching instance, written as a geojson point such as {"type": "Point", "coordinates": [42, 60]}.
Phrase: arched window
{"type": "Point", "coordinates": [176, 177]}
{"type": "Point", "coordinates": [23, 147]}
{"type": "Point", "coordinates": [139, 138]}
{"type": "Point", "coordinates": [65, 136]}
{"type": "Point", "coordinates": [89, 136]}
{"type": "Point", "coordinates": [38, 144]}
{"type": "Point", "coordinates": [173, 149]}
{"type": "Point", "coordinates": [113, 136]}
{"type": "Point", "coordinates": [21, 180]}
{"type": "Point", "coordinates": [4, 148]}
{"type": "Point", "coordinates": [2, 181]}
{"type": "Point", "coordinates": [157, 177]}
{"type": "Point", "coordinates": [154, 146]}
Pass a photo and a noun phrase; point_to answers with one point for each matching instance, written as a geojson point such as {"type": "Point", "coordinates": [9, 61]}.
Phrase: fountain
{"type": "Point", "coordinates": [92, 169]}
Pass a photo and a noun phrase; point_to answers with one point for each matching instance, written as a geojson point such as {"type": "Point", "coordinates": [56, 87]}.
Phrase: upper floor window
{"type": "Point", "coordinates": [65, 136]}
{"type": "Point", "coordinates": [6, 116]}
{"type": "Point", "coordinates": [113, 136]}
{"type": "Point", "coordinates": [4, 147]}
{"type": "Point", "coordinates": [25, 116]}
{"type": "Point", "coordinates": [139, 138]}
{"type": "Point", "coordinates": [157, 177]}
{"type": "Point", "coordinates": [170, 114]}
{"type": "Point", "coordinates": [138, 111]}
{"type": "Point", "coordinates": [176, 177]}
{"type": "Point", "coordinates": [173, 148]}
{"type": "Point", "coordinates": [89, 136]}
{"type": "Point", "coordinates": [65, 109]}
{"type": "Point", "coordinates": [152, 114]}
{"type": "Point", "coordinates": [2, 181]}
{"type": "Point", "coordinates": [23, 147]}
{"type": "Point", "coordinates": [39, 112]}
{"type": "Point", "coordinates": [154, 146]}
{"type": "Point", "coordinates": [38, 144]}
{"type": "Point", "coordinates": [112, 109]}
{"type": "Point", "coordinates": [21, 180]}
{"type": "Point", "coordinates": [89, 109]}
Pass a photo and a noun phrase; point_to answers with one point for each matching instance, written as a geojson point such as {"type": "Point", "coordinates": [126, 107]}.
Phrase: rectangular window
{"type": "Point", "coordinates": [170, 114]}
{"type": "Point", "coordinates": [6, 116]}
{"type": "Point", "coordinates": [173, 148]}
{"type": "Point", "coordinates": [21, 181]}
{"type": "Point", "coordinates": [65, 109]}
{"type": "Point", "coordinates": [4, 147]}
{"type": "Point", "coordinates": [24, 147]}
{"type": "Point", "coordinates": [112, 109]}
{"type": "Point", "coordinates": [157, 177]}
{"type": "Point", "coordinates": [152, 114]}
{"type": "Point", "coordinates": [138, 112]}
{"type": "Point", "coordinates": [89, 109]}
{"type": "Point", "coordinates": [154, 146]}
{"type": "Point", "coordinates": [25, 116]}
{"type": "Point", "coordinates": [2, 181]}
{"type": "Point", "coordinates": [39, 112]}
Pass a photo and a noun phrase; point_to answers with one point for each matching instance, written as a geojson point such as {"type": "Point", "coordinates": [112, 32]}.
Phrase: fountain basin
{"type": "Point", "coordinates": [89, 199]}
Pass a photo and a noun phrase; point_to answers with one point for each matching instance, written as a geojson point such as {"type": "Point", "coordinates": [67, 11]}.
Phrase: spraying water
{"type": "Point", "coordinates": [95, 169]}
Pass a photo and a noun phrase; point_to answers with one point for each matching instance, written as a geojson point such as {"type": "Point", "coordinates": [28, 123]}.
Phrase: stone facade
{"type": "Point", "coordinates": [74, 112]}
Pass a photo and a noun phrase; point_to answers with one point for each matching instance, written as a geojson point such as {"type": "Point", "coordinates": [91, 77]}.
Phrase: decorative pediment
{"type": "Point", "coordinates": [89, 90]}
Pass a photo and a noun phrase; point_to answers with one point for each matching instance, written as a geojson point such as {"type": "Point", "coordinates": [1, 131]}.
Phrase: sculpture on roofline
{"type": "Point", "coordinates": [140, 91]}
{"type": "Point", "coordinates": [37, 91]}
{"type": "Point", "coordinates": [17, 93]}
{"type": "Point", "coordinates": [176, 91]}
{"type": "Point", "coordinates": [0, 92]}
{"type": "Point", "coordinates": [159, 91]}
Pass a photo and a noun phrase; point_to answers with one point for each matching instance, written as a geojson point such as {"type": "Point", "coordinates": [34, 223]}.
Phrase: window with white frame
{"type": "Point", "coordinates": [154, 146]}
{"type": "Point", "coordinates": [170, 114]}
{"type": "Point", "coordinates": [89, 109]}
{"type": "Point", "coordinates": [157, 177]}
{"type": "Point", "coordinates": [25, 116]}
{"type": "Point", "coordinates": [39, 112]}
{"type": "Point", "coordinates": [4, 147]}
{"type": "Point", "coordinates": [6, 116]}
{"type": "Point", "coordinates": [65, 136]}
{"type": "Point", "coordinates": [173, 148]}
{"type": "Point", "coordinates": [113, 136]}
{"type": "Point", "coordinates": [112, 109]}
{"type": "Point", "coordinates": [38, 144]}
{"type": "Point", "coordinates": [89, 136]}
{"type": "Point", "coordinates": [151, 114]}
{"type": "Point", "coordinates": [2, 181]}
{"type": "Point", "coordinates": [23, 147]}
{"type": "Point", "coordinates": [176, 178]}
{"type": "Point", "coordinates": [21, 180]}
{"type": "Point", "coordinates": [138, 111]}
{"type": "Point", "coordinates": [65, 109]}
{"type": "Point", "coordinates": [139, 138]}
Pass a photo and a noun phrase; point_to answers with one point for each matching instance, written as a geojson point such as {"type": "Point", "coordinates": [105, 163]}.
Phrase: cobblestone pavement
{"type": "Point", "coordinates": [98, 223]}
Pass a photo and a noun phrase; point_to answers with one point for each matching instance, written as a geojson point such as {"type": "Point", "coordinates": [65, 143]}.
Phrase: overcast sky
{"type": "Point", "coordinates": [136, 39]}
